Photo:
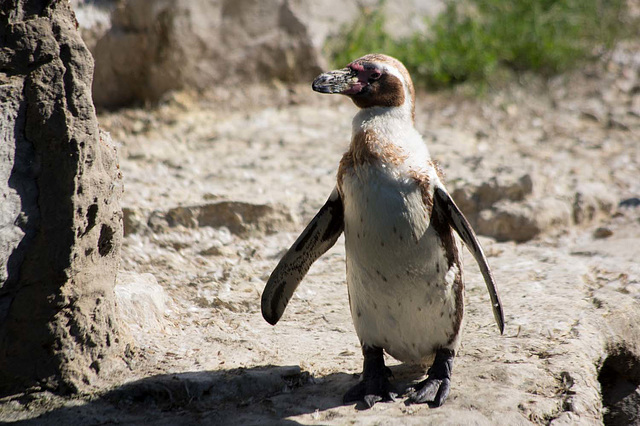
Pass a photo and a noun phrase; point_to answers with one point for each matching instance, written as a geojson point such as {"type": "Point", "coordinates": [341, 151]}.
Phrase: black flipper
{"type": "Point", "coordinates": [448, 209]}
{"type": "Point", "coordinates": [318, 237]}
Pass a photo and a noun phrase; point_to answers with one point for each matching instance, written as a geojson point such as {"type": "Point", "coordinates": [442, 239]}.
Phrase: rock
{"type": "Point", "coordinates": [240, 218]}
{"type": "Point", "coordinates": [141, 300]}
{"type": "Point", "coordinates": [472, 199]}
{"type": "Point", "coordinates": [94, 19]}
{"type": "Point", "coordinates": [602, 232]}
{"type": "Point", "coordinates": [155, 47]}
{"type": "Point", "coordinates": [60, 215]}
{"type": "Point", "coordinates": [523, 221]}
{"type": "Point", "coordinates": [630, 203]}
{"type": "Point", "coordinates": [595, 110]}
{"type": "Point", "coordinates": [592, 200]}
{"type": "Point", "coordinates": [133, 221]}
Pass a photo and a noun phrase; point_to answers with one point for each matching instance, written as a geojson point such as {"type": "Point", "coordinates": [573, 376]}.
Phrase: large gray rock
{"type": "Point", "coordinates": [60, 217]}
{"type": "Point", "coordinates": [156, 46]}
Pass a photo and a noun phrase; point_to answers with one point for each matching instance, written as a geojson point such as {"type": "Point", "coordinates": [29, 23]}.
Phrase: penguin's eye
{"type": "Point", "coordinates": [375, 76]}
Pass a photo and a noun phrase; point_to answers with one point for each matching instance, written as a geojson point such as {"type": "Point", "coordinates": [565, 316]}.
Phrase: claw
{"type": "Point", "coordinates": [435, 388]}
{"type": "Point", "coordinates": [375, 385]}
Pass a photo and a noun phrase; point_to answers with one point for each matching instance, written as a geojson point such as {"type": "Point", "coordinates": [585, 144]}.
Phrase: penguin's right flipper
{"type": "Point", "coordinates": [318, 237]}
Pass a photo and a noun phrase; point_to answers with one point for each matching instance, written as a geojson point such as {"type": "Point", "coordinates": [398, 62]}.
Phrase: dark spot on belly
{"type": "Point", "coordinates": [381, 276]}
{"type": "Point", "coordinates": [382, 243]}
{"type": "Point", "coordinates": [397, 276]}
{"type": "Point", "coordinates": [359, 314]}
{"type": "Point", "coordinates": [414, 345]}
{"type": "Point", "coordinates": [437, 267]}
{"type": "Point", "coordinates": [419, 309]}
{"type": "Point", "coordinates": [394, 229]}
{"type": "Point", "coordinates": [358, 235]}
{"type": "Point", "coordinates": [361, 219]}
{"type": "Point", "coordinates": [375, 305]}
{"type": "Point", "coordinates": [401, 238]}
{"type": "Point", "coordinates": [399, 303]}
{"type": "Point", "coordinates": [442, 314]}
{"type": "Point", "coordinates": [386, 340]}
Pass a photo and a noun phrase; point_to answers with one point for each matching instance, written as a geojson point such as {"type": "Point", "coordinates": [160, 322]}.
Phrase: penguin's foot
{"type": "Point", "coordinates": [371, 391]}
{"type": "Point", "coordinates": [375, 385]}
{"type": "Point", "coordinates": [435, 388]}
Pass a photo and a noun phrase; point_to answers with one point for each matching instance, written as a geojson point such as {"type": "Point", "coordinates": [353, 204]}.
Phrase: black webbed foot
{"type": "Point", "coordinates": [375, 385]}
{"type": "Point", "coordinates": [435, 388]}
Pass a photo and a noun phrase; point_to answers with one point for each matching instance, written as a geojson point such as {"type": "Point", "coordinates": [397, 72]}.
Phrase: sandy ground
{"type": "Point", "coordinates": [203, 352]}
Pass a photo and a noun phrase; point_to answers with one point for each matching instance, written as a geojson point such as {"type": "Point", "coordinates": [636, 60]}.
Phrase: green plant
{"type": "Point", "coordinates": [470, 40]}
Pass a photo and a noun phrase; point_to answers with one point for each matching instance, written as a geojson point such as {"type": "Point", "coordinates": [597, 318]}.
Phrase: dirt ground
{"type": "Point", "coordinates": [190, 286]}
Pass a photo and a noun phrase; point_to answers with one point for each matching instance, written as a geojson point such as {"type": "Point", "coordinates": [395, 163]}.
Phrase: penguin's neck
{"type": "Point", "coordinates": [389, 123]}
{"type": "Point", "coordinates": [388, 132]}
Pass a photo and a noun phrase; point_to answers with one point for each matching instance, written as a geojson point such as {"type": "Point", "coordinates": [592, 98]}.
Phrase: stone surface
{"type": "Point", "coordinates": [60, 214]}
{"type": "Point", "coordinates": [240, 218]}
{"type": "Point", "coordinates": [592, 200]}
{"type": "Point", "coordinates": [142, 302]}
{"type": "Point", "coordinates": [157, 46]}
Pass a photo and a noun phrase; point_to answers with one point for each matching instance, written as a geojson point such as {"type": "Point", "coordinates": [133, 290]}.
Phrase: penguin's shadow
{"type": "Point", "coordinates": [260, 395]}
{"type": "Point", "coordinates": [264, 395]}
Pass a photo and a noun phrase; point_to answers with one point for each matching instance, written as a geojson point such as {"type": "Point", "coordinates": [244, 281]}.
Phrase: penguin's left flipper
{"type": "Point", "coordinates": [444, 204]}
{"type": "Point", "coordinates": [435, 388]}
{"type": "Point", "coordinates": [318, 237]}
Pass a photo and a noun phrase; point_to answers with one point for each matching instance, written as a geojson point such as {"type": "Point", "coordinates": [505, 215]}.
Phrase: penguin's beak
{"type": "Point", "coordinates": [344, 81]}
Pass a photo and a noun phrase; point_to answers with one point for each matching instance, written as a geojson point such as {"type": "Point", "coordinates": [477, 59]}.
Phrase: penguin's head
{"type": "Point", "coordinates": [375, 80]}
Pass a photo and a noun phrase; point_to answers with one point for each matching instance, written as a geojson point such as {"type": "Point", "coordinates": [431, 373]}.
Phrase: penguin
{"type": "Point", "coordinates": [402, 238]}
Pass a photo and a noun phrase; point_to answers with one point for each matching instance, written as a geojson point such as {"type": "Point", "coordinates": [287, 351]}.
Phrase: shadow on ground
{"type": "Point", "coordinates": [261, 395]}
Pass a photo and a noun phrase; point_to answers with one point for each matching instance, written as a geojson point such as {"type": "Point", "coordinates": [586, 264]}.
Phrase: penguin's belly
{"type": "Point", "coordinates": [401, 286]}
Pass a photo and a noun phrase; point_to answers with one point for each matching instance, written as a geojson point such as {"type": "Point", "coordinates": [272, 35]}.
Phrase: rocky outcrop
{"type": "Point", "coordinates": [60, 212]}
{"type": "Point", "coordinates": [507, 208]}
{"type": "Point", "coordinates": [240, 218]}
{"type": "Point", "coordinates": [154, 47]}
{"type": "Point", "coordinates": [158, 46]}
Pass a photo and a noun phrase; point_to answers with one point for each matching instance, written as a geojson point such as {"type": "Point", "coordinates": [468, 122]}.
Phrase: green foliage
{"type": "Point", "coordinates": [471, 40]}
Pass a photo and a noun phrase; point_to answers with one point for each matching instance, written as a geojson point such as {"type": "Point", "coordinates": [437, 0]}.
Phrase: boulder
{"type": "Point", "coordinates": [472, 199]}
{"type": "Point", "coordinates": [142, 302]}
{"type": "Point", "coordinates": [241, 218]}
{"type": "Point", "coordinates": [520, 222]}
{"type": "Point", "coordinates": [156, 46]}
{"type": "Point", "coordinates": [60, 213]}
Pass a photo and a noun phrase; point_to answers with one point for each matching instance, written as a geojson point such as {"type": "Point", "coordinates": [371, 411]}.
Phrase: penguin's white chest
{"type": "Point", "coordinates": [401, 285]}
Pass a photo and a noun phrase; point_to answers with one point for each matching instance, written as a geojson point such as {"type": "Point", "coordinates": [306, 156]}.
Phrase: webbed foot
{"type": "Point", "coordinates": [375, 385]}
{"type": "Point", "coordinates": [435, 388]}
